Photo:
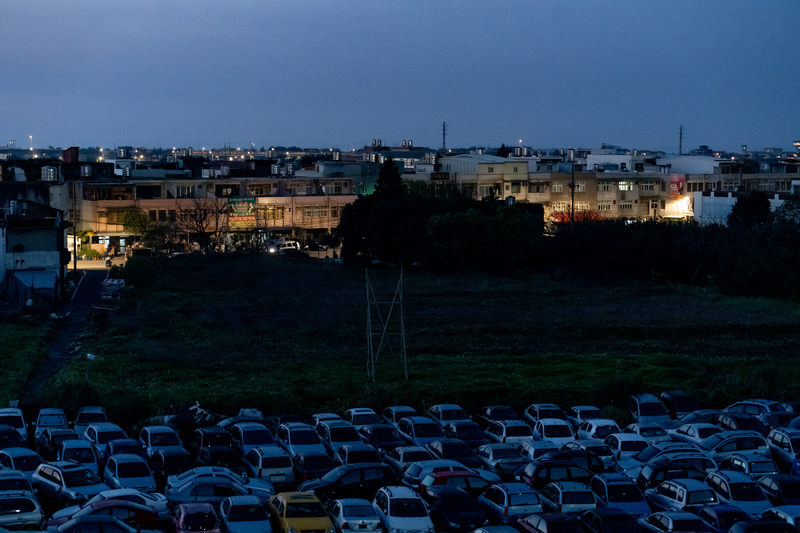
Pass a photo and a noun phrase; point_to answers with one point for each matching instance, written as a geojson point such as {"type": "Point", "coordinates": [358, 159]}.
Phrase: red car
{"type": "Point", "coordinates": [134, 514]}
{"type": "Point", "coordinates": [188, 517]}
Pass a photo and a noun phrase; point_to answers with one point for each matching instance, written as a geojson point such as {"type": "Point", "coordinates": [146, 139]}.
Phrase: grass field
{"type": "Point", "coordinates": [284, 336]}
{"type": "Point", "coordinates": [22, 348]}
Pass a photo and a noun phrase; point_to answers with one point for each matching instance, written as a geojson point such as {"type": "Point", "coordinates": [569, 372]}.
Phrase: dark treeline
{"type": "Point", "coordinates": [756, 254]}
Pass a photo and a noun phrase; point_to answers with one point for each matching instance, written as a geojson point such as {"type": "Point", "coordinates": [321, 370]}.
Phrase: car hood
{"type": "Point", "coordinates": [261, 526]}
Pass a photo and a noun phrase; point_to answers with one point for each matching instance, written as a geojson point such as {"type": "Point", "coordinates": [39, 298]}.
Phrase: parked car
{"type": "Point", "coordinates": [726, 443]}
{"type": "Point", "coordinates": [402, 510]}
{"type": "Point", "coordinates": [213, 490]}
{"type": "Point", "coordinates": [9, 438]}
{"type": "Point", "coordinates": [155, 438]}
{"type": "Point", "coordinates": [678, 403]}
{"type": "Point", "coordinates": [319, 418]}
{"type": "Point", "coordinates": [155, 500]}
{"type": "Point", "coordinates": [467, 431]}
{"type": "Point", "coordinates": [631, 466]}
{"type": "Point", "coordinates": [720, 518]}
{"type": "Point", "coordinates": [680, 495]}
{"type": "Point", "coordinates": [537, 475]}
{"type": "Point", "coordinates": [296, 437]}
{"type": "Point", "coordinates": [49, 418]}
{"type": "Point", "coordinates": [170, 462]}
{"type": "Point", "coordinates": [763, 526]}
{"type": "Point", "coordinates": [471, 482]}
{"type": "Point", "coordinates": [354, 514]}
{"type": "Point", "coordinates": [128, 471]}
{"type": "Point", "coordinates": [754, 465]}
{"type": "Point", "coordinates": [567, 497]}
{"type": "Point", "coordinates": [789, 514]}
{"type": "Point", "coordinates": [244, 514]}
{"type": "Point", "coordinates": [351, 481]}
{"type": "Point", "coordinates": [582, 458]}
{"type": "Point", "coordinates": [96, 523]}
{"type": "Point", "coordinates": [212, 473]}
{"type": "Point", "coordinates": [298, 511]}
{"type": "Point", "coordinates": [507, 503]}
{"type": "Point", "coordinates": [616, 490]}
{"type": "Point", "coordinates": [455, 450]}
{"type": "Point", "coordinates": [81, 451]}
{"type": "Point", "coordinates": [646, 408]}
{"type": "Point", "coordinates": [453, 509]}
{"type": "Point", "coordinates": [88, 415]}
{"type": "Point", "coordinates": [208, 436]}
{"type": "Point", "coordinates": [66, 483]}
{"type": "Point", "coordinates": [784, 444]}
{"type": "Point", "coordinates": [537, 411]}
{"type": "Point", "coordinates": [419, 430]}
{"type": "Point", "coordinates": [134, 514]}
{"type": "Point", "coordinates": [739, 421]}
{"type": "Point", "coordinates": [578, 414]}
{"type": "Point", "coordinates": [495, 413]}
{"type": "Point", "coordinates": [22, 459]}
{"type": "Point", "coordinates": [653, 474]}
{"type": "Point", "coordinates": [673, 521]}
{"type": "Point", "coordinates": [14, 481]}
{"type": "Point", "coordinates": [394, 414]}
{"type": "Point", "coordinates": [598, 448]}
{"type": "Point", "coordinates": [120, 446]}
{"type": "Point", "coordinates": [554, 430]}
{"type": "Point", "coordinates": [781, 489]}
{"type": "Point", "coordinates": [444, 413]}
{"type": "Point", "coordinates": [598, 428]}
{"type": "Point", "coordinates": [13, 418]}
{"type": "Point", "coordinates": [99, 434]}
{"type": "Point", "coordinates": [311, 465]}
{"type": "Point", "coordinates": [624, 445]}
{"type": "Point", "coordinates": [20, 510]}
{"type": "Point", "coordinates": [416, 472]}
{"type": "Point", "coordinates": [533, 450]}
{"type": "Point", "coordinates": [335, 434]}
{"type": "Point", "coordinates": [191, 517]}
{"type": "Point", "coordinates": [50, 439]}
{"type": "Point", "coordinates": [502, 459]}
{"type": "Point", "coordinates": [769, 412]}
{"type": "Point", "coordinates": [271, 464]}
{"type": "Point", "coordinates": [220, 456]}
{"type": "Point", "coordinates": [608, 519]}
{"type": "Point", "coordinates": [360, 416]}
{"type": "Point", "coordinates": [740, 490]}
{"type": "Point", "coordinates": [403, 456]}
{"type": "Point", "coordinates": [356, 454]}
{"type": "Point", "coordinates": [651, 432]}
{"type": "Point", "coordinates": [693, 433]}
{"type": "Point", "coordinates": [549, 522]}
{"type": "Point", "coordinates": [384, 437]}
{"type": "Point", "coordinates": [509, 431]}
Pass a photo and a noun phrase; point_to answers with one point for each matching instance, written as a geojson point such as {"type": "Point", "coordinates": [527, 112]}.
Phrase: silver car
{"type": "Point", "coordinates": [350, 514]}
{"type": "Point", "coordinates": [20, 510]}
{"type": "Point", "coordinates": [244, 514]}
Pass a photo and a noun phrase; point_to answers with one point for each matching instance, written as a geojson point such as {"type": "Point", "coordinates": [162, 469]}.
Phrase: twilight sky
{"type": "Point", "coordinates": [332, 73]}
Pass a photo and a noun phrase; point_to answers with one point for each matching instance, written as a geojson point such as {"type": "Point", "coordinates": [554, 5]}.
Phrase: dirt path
{"type": "Point", "coordinates": [87, 295]}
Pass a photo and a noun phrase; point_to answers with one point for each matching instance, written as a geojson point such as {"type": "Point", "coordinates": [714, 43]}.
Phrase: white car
{"type": "Point", "coordinates": [652, 432]}
{"type": "Point", "coordinates": [129, 471]}
{"type": "Point", "coordinates": [509, 432]}
{"type": "Point", "coordinates": [401, 510]}
{"type": "Point", "coordinates": [597, 428]}
{"type": "Point", "coordinates": [624, 445]}
{"type": "Point", "coordinates": [694, 433]}
{"type": "Point", "coordinates": [351, 514]}
{"type": "Point", "coordinates": [244, 514]}
{"type": "Point", "coordinates": [554, 430]}
{"type": "Point", "coordinates": [12, 416]}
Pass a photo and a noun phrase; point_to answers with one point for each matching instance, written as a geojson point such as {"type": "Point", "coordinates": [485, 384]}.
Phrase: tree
{"type": "Point", "coordinates": [750, 210]}
{"type": "Point", "coordinates": [206, 219]}
{"type": "Point", "coordinates": [789, 210]}
{"type": "Point", "coordinates": [390, 184]}
{"type": "Point", "coordinates": [136, 221]}
{"type": "Point", "coordinates": [504, 151]}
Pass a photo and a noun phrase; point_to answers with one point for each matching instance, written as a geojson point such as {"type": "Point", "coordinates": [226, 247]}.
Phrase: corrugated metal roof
{"type": "Point", "coordinates": [37, 279]}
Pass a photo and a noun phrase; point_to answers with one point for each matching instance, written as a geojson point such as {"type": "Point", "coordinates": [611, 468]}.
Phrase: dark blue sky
{"type": "Point", "coordinates": [339, 73]}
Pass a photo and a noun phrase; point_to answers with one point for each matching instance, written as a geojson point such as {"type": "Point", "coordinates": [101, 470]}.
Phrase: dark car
{"type": "Point", "coordinates": [170, 462]}
{"type": "Point", "coordinates": [453, 509]}
{"type": "Point", "coordinates": [471, 482]}
{"type": "Point", "coordinates": [584, 458]}
{"type": "Point", "coordinates": [550, 522]}
{"type": "Point", "coordinates": [763, 526]}
{"type": "Point", "coordinates": [351, 481]}
{"type": "Point", "coordinates": [678, 403]}
{"type": "Point", "coordinates": [720, 518]}
{"type": "Point", "coordinates": [311, 465]}
{"type": "Point", "coordinates": [212, 436]}
{"type": "Point", "coordinates": [539, 474]}
{"type": "Point", "coordinates": [467, 431]}
{"type": "Point", "coordinates": [652, 475]}
{"type": "Point", "coordinates": [50, 439]}
{"type": "Point", "coordinates": [132, 513]}
{"type": "Point", "coordinates": [493, 413]}
{"type": "Point", "coordinates": [220, 456]}
{"type": "Point", "coordinates": [9, 438]}
{"type": "Point", "coordinates": [119, 446]}
{"type": "Point", "coordinates": [97, 523]}
{"type": "Point", "coordinates": [739, 421]}
{"type": "Point", "coordinates": [195, 517]}
{"type": "Point", "coordinates": [383, 437]}
{"type": "Point", "coordinates": [454, 449]}
{"type": "Point", "coordinates": [608, 520]}
{"type": "Point", "coordinates": [781, 489]}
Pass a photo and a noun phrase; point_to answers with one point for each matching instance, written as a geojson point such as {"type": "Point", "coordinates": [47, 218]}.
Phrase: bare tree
{"type": "Point", "coordinates": [206, 219]}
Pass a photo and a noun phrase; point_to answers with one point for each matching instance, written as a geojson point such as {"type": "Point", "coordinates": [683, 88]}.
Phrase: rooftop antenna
{"type": "Point", "coordinates": [444, 137]}
{"type": "Point", "coordinates": [680, 142]}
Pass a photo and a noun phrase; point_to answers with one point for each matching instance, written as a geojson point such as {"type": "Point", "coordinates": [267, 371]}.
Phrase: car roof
{"type": "Point", "coordinates": [76, 443]}
{"type": "Point", "coordinates": [105, 426]}
{"type": "Point", "coordinates": [689, 484]}
{"type": "Point", "coordinates": [10, 411]}
{"type": "Point", "coordinates": [613, 477]}
{"type": "Point", "coordinates": [359, 447]}
{"type": "Point", "coordinates": [514, 487]}
{"type": "Point", "coordinates": [271, 451]}
{"type": "Point", "coordinates": [419, 419]}
{"type": "Point", "coordinates": [18, 451]}
{"type": "Point", "coordinates": [554, 422]}
{"type": "Point", "coordinates": [399, 491]}
{"type": "Point", "coordinates": [645, 397]}
{"type": "Point", "coordinates": [51, 411]}
{"type": "Point", "coordinates": [197, 507]}
{"type": "Point", "coordinates": [360, 411]}
{"type": "Point", "coordinates": [337, 423]}
{"type": "Point", "coordinates": [250, 425]}
{"type": "Point", "coordinates": [244, 499]}
{"type": "Point", "coordinates": [732, 476]}
{"type": "Point", "coordinates": [353, 501]}
{"type": "Point", "coordinates": [572, 486]}
{"type": "Point", "coordinates": [515, 422]}
{"type": "Point", "coordinates": [128, 458]}
{"type": "Point", "coordinates": [299, 496]}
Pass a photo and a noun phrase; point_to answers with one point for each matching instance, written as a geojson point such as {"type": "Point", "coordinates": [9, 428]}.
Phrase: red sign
{"type": "Point", "coordinates": [677, 185]}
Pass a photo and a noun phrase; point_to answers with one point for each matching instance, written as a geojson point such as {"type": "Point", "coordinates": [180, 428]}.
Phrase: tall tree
{"type": "Point", "coordinates": [204, 218]}
{"type": "Point", "coordinates": [750, 210]}
{"type": "Point", "coordinates": [390, 184]}
{"type": "Point", "coordinates": [504, 151]}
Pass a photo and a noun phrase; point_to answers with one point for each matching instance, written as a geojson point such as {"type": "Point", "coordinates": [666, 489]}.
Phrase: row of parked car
{"type": "Point", "coordinates": [404, 472]}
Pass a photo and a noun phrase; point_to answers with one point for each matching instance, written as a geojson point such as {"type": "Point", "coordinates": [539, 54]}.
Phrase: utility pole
{"type": "Point", "coordinates": [680, 142]}
{"type": "Point", "coordinates": [572, 187]}
{"type": "Point", "coordinates": [444, 136]}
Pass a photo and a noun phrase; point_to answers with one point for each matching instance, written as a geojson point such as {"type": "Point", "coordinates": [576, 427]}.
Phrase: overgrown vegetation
{"type": "Point", "coordinates": [261, 331]}
{"type": "Point", "coordinates": [23, 347]}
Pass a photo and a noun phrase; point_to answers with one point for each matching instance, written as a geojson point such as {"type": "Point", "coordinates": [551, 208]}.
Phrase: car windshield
{"type": "Point", "coordinates": [104, 436]}
{"type": "Point", "coordinates": [280, 461]}
{"type": "Point", "coordinates": [519, 431]}
{"type": "Point", "coordinates": [11, 440]}
{"type": "Point", "coordinates": [15, 421]}
{"type": "Point", "coordinates": [133, 470]}
{"type": "Point", "coordinates": [747, 492]}
{"type": "Point", "coordinates": [454, 414]}
{"type": "Point", "coordinates": [711, 442]}
{"type": "Point", "coordinates": [455, 451]}
{"type": "Point", "coordinates": [528, 498]}
{"type": "Point", "coordinates": [458, 502]}
{"type": "Point", "coordinates": [27, 463]}
{"type": "Point", "coordinates": [624, 493]}
{"type": "Point", "coordinates": [81, 455]}
{"type": "Point", "coordinates": [12, 506]}
{"type": "Point", "coordinates": [763, 466]}
{"type": "Point", "coordinates": [704, 433]}
{"type": "Point", "coordinates": [652, 409]}
{"type": "Point", "coordinates": [646, 454]}
{"type": "Point", "coordinates": [84, 419]}
{"type": "Point", "coordinates": [165, 439]}
{"type": "Point", "coordinates": [317, 462]}
{"type": "Point", "coordinates": [303, 437]}
{"type": "Point", "coordinates": [345, 435]}
{"type": "Point", "coordinates": [633, 445]}
{"type": "Point", "coordinates": [777, 407]}
{"type": "Point", "coordinates": [366, 456]}
{"type": "Point", "coordinates": [48, 421]}
{"type": "Point", "coordinates": [407, 508]}
{"type": "Point", "coordinates": [55, 440]}
{"type": "Point", "coordinates": [503, 413]}
{"type": "Point", "coordinates": [577, 497]}
{"type": "Point", "coordinates": [506, 453]}
{"type": "Point", "coordinates": [700, 497]}
{"type": "Point", "coordinates": [557, 431]}
{"type": "Point", "coordinates": [15, 484]}
{"type": "Point", "coordinates": [552, 413]}
{"type": "Point", "coordinates": [602, 451]}
{"type": "Point", "coordinates": [132, 449]}
{"type": "Point", "coordinates": [247, 513]}
{"type": "Point", "coordinates": [358, 511]}
{"type": "Point", "coordinates": [305, 510]}
{"type": "Point", "coordinates": [199, 522]}
{"type": "Point", "coordinates": [224, 457]}
{"type": "Point", "coordinates": [652, 431]}
{"type": "Point", "coordinates": [80, 478]}
{"type": "Point", "coordinates": [385, 434]}
{"type": "Point", "coordinates": [604, 431]}
{"type": "Point", "coordinates": [587, 414]}
{"type": "Point", "coordinates": [427, 430]}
